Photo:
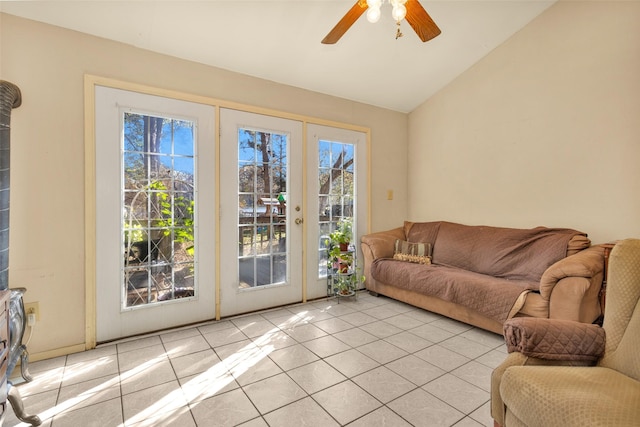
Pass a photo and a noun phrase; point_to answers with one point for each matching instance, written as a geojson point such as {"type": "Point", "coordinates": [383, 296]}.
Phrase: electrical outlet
{"type": "Point", "coordinates": [32, 308]}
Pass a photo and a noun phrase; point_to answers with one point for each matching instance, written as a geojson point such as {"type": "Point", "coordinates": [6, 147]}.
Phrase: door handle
{"type": "Point", "coordinates": [299, 221]}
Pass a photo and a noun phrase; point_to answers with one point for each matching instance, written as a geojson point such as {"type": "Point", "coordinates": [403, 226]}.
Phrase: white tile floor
{"type": "Point", "coordinates": [370, 361]}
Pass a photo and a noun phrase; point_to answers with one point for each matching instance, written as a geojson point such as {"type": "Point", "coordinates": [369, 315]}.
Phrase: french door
{"type": "Point", "coordinates": [261, 211]}
{"type": "Point", "coordinates": [278, 224]}
{"type": "Point", "coordinates": [155, 213]}
{"type": "Point", "coordinates": [171, 229]}
{"type": "Point", "coordinates": [337, 177]}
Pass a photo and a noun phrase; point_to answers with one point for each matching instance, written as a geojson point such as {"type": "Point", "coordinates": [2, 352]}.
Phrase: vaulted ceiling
{"type": "Point", "coordinates": [279, 40]}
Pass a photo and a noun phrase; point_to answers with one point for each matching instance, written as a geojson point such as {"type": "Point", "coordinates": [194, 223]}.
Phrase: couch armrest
{"type": "Point", "coordinates": [378, 245]}
{"type": "Point", "coordinates": [572, 285]}
{"type": "Point", "coordinates": [382, 243]}
{"type": "Point", "coordinates": [554, 339]}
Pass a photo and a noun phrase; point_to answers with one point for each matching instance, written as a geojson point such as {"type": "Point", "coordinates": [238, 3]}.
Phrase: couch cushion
{"type": "Point", "coordinates": [509, 253]}
{"type": "Point", "coordinates": [422, 232]}
{"type": "Point", "coordinates": [490, 296]}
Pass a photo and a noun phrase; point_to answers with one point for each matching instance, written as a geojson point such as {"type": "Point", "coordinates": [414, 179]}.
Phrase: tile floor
{"type": "Point", "coordinates": [370, 361]}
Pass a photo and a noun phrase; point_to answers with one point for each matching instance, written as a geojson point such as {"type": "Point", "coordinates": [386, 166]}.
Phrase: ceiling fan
{"type": "Point", "coordinates": [411, 10]}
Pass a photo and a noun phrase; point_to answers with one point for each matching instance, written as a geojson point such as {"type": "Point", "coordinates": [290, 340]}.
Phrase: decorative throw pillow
{"type": "Point", "coordinates": [412, 252]}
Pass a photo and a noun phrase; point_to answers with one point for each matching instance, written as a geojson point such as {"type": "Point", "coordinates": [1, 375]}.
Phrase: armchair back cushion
{"type": "Point", "coordinates": [622, 319]}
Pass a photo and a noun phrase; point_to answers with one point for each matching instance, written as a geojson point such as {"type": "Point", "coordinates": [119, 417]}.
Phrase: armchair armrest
{"type": "Point", "coordinates": [554, 339]}
{"type": "Point", "coordinates": [519, 359]}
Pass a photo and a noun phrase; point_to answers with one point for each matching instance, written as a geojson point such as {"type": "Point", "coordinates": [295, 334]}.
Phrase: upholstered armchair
{"type": "Point", "coordinates": [563, 373]}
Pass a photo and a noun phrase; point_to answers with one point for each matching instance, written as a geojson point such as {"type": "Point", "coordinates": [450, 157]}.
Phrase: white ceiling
{"type": "Point", "coordinates": [280, 40]}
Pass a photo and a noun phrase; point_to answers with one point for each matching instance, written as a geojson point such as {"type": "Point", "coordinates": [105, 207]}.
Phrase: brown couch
{"type": "Point", "coordinates": [485, 275]}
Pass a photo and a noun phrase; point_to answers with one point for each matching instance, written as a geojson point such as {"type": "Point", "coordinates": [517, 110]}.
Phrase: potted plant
{"type": "Point", "coordinates": [343, 284]}
{"type": "Point", "coordinates": [347, 284]}
{"type": "Point", "coordinates": [343, 234]}
{"type": "Point", "coordinates": [339, 259]}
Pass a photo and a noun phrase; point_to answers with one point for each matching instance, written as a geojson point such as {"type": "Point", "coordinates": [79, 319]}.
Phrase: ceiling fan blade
{"type": "Point", "coordinates": [420, 21]}
{"type": "Point", "coordinates": [346, 22]}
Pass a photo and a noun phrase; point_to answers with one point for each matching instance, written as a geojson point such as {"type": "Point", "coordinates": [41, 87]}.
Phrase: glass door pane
{"type": "Point", "coordinates": [262, 210]}
{"type": "Point", "coordinates": [336, 180]}
{"type": "Point", "coordinates": [158, 207]}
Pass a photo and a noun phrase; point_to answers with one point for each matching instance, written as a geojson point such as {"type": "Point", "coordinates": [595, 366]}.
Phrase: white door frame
{"type": "Point", "coordinates": [112, 320]}
{"type": "Point", "coordinates": [233, 299]}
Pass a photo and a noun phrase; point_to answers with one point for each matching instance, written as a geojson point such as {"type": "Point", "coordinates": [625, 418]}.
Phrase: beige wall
{"type": "Point", "coordinates": [47, 193]}
{"type": "Point", "coordinates": [545, 130]}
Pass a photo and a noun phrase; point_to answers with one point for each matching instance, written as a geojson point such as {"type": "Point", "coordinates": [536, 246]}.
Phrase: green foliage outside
{"type": "Point", "coordinates": [182, 225]}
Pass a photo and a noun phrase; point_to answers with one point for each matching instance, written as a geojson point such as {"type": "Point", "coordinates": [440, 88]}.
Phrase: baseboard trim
{"type": "Point", "coordinates": [63, 351]}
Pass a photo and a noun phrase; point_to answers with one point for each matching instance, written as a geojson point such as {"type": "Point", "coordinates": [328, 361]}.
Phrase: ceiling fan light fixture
{"type": "Point", "coordinates": [411, 10]}
{"type": "Point", "coordinates": [399, 12]}
{"type": "Point", "coordinates": [373, 14]}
